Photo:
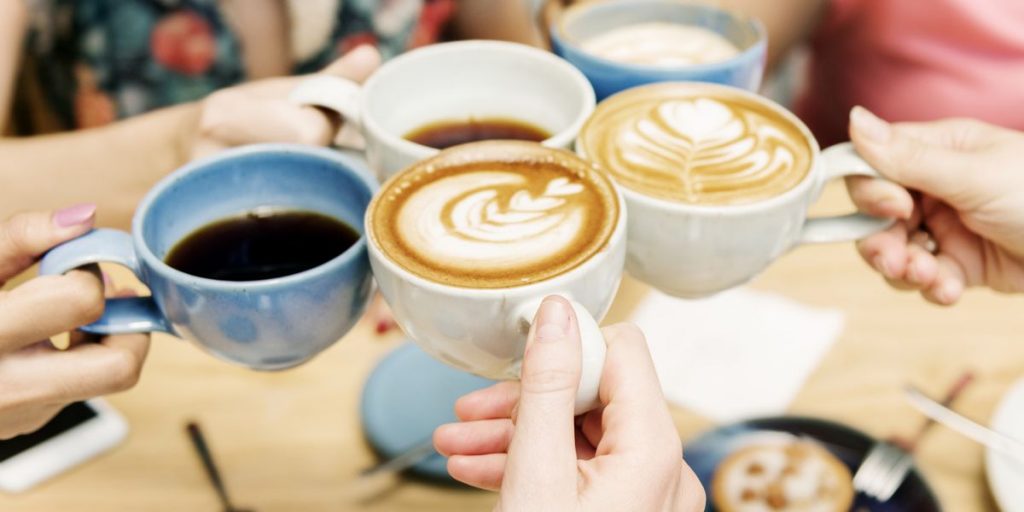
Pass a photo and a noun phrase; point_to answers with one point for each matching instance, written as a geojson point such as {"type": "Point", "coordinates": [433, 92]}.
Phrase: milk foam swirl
{"type": "Point", "coordinates": [494, 224]}
{"type": "Point", "coordinates": [697, 144]}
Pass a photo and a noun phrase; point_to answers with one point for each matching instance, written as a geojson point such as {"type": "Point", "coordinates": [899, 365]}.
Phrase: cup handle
{"type": "Point", "coordinates": [839, 161]}
{"type": "Point", "coordinates": [120, 315]}
{"type": "Point", "coordinates": [338, 95]}
{"type": "Point", "coordinates": [593, 352]}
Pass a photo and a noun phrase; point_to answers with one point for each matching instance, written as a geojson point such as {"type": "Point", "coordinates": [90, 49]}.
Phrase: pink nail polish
{"type": "Point", "coordinates": [78, 215]}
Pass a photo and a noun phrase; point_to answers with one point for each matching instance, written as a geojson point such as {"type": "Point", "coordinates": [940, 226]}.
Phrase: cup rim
{"type": "Point", "coordinates": [343, 162]}
{"type": "Point", "coordinates": [788, 196]}
{"type": "Point", "coordinates": [559, 33]}
{"type": "Point", "coordinates": [615, 239]}
{"type": "Point", "coordinates": [562, 138]}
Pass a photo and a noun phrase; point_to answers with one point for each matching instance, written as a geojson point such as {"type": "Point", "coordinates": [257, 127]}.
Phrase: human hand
{"type": "Point", "coordinates": [968, 183]}
{"type": "Point", "coordinates": [522, 438]}
{"type": "Point", "coordinates": [38, 380]}
{"type": "Point", "coordinates": [261, 112]}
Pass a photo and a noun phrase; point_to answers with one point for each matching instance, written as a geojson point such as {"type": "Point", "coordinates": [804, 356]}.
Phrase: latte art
{"type": "Point", "coordinates": [661, 44]}
{"type": "Point", "coordinates": [468, 218]}
{"type": "Point", "coordinates": [697, 144]}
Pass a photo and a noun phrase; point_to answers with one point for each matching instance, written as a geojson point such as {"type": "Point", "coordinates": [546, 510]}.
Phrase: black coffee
{"type": "Point", "coordinates": [262, 245]}
{"type": "Point", "coordinates": [446, 134]}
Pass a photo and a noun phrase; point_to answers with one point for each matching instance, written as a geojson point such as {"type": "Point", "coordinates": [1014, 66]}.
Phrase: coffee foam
{"type": "Point", "coordinates": [697, 144]}
{"type": "Point", "coordinates": [661, 44]}
{"type": "Point", "coordinates": [495, 215]}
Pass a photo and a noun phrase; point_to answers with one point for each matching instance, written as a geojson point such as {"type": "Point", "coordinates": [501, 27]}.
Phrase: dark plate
{"type": "Point", "coordinates": [851, 446]}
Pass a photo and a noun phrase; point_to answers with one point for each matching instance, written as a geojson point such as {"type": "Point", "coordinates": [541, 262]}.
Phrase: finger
{"type": "Point", "coordinates": [27, 421]}
{"type": "Point", "coordinates": [908, 158]}
{"type": "Point", "coordinates": [83, 372]}
{"type": "Point", "coordinates": [949, 285]}
{"type": "Point", "coordinates": [474, 437]}
{"type": "Point", "coordinates": [636, 417]}
{"type": "Point", "coordinates": [481, 471]}
{"type": "Point", "coordinates": [886, 251]}
{"type": "Point", "coordinates": [497, 401]}
{"type": "Point", "coordinates": [49, 305]}
{"type": "Point", "coordinates": [235, 117]}
{"type": "Point", "coordinates": [880, 198]}
{"type": "Point", "coordinates": [26, 236]}
{"type": "Point", "coordinates": [356, 65]}
{"type": "Point", "coordinates": [542, 454]}
{"type": "Point", "coordinates": [958, 243]}
{"type": "Point", "coordinates": [922, 268]}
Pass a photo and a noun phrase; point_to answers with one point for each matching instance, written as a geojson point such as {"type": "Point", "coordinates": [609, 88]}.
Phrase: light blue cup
{"type": "Point", "coordinates": [585, 20]}
{"type": "Point", "coordinates": [266, 325]}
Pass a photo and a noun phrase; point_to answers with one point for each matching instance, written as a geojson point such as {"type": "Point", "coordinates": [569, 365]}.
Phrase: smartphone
{"type": "Point", "coordinates": [78, 433]}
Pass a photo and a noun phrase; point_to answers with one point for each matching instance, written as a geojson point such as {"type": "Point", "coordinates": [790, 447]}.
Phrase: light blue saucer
{"type": "Point", "coordinates": [407, 396]}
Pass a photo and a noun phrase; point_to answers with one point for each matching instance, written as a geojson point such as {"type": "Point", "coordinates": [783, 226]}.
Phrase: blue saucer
{"type": "Point", "coordinates": [407, 396]}
{"type": "Point", "coordinates": [704, 453]}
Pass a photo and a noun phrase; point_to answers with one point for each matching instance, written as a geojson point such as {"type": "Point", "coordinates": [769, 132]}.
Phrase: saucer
{"type": "Point", "coordinates": [1004, 473]}
{"type": "Point", "coordinates": [705, 452]}
{"type": "Point", "coordinates": [406, 397]}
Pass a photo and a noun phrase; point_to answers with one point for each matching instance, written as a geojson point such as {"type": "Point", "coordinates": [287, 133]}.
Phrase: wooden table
{"type": "Point", "coordinates": [291, 440]}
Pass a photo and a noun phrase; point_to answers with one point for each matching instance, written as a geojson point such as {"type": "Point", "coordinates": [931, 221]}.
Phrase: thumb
{"type": "Point", "coordinates": [542, 454]}
{"type": "Point", "coordinates": [356, 65]}
{"type": "Point", "coordinates": [916, 155]}
{"type": "Point", "coordinates": [26, 236]}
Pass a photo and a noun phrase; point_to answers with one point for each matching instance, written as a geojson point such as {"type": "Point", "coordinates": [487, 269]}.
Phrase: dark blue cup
{"type": "Point", "coordinates": [589, 19]}
{"type": "Point", "coordinates": [266, 325]}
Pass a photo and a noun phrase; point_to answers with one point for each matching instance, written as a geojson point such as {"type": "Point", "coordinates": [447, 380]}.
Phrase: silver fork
{"type": "Point", "coordinates": [882, 471]}
{"type": "Point", "coordinates": [887, 464]}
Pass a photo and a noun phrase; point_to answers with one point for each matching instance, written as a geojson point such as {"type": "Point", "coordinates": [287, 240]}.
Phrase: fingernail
{"type": "Point", "coordinates": [873, 128]}
{"type": "Point", "coordinates": [883, 266]}
{"type": "Point", "coordinates": [552, 321]}
{"type": "Point", "coordinates": [78, 215]}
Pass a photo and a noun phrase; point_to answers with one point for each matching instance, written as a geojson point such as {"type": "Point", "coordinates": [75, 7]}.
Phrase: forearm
{"type": "Point", "coordinates": [509, 20]}
{"type": "Point", "coordinates": [112, 166]}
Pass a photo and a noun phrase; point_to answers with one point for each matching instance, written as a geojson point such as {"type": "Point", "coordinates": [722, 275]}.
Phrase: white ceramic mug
{"type": "Point", "coordinates": [484, 331]}
{"type": "Point", "coordinates": [454, 81]}
{"type": "Point", "coordinates": [694, 251]}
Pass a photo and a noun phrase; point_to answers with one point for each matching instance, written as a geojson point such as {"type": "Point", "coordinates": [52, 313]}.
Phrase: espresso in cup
{"type": "Point", "coordinates": [466, 245]}
{"type": "Point", "coordinates": [445, 134]}
{"type": "Point", "coordinates": [495, 215]}
{"type": "Point", "coordinates": [717, 182]}
{"type": "Point", "coordinates": [661, 44]}
{"type": "Point", "coordinates": [264, 243]}
{"type": "Point", "coordinates": [693, 144]}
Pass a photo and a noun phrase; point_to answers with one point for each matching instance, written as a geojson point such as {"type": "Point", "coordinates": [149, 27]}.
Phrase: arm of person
{"type": "Point", "coordinates": [113, 166]}
{"type": "Point", "coordinates": [508, 20]}
{"type": "Point", "coordinates": [13, 23]}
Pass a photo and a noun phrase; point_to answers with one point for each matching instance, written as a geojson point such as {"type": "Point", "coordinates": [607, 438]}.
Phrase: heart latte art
{"type": "Point", "coordinates": [697, 144]}
{"type": "Point", "coordinates": [495, 214]}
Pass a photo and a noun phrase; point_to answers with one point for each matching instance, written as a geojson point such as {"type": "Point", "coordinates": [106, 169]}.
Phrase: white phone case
{"type": "Point", "coordinates": [68, 449]}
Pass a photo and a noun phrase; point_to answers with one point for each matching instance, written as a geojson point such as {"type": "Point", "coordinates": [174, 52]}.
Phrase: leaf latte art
{"type": "Point", "coordinates": [697, 144]}
{"type": "Point", "coordinates": [494, 223]}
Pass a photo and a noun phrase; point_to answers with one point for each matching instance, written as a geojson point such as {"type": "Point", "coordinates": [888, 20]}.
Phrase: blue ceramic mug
{"type": "Point", "coordinates": [589, 19]}
{"type": "Point", "coordinates": [266, 325]}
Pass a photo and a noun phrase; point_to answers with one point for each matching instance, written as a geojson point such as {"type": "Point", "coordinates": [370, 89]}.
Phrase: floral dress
{"type": "Point", "coordinates": [96, 61]}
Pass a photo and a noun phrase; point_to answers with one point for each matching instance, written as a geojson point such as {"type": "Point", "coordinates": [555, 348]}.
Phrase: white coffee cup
{"type": "Point", "coordinates": [454, 81]}
{"type": "Point", "coordinates": [484, 330]}
{"type": "Point", "coordinates": [694, 251]}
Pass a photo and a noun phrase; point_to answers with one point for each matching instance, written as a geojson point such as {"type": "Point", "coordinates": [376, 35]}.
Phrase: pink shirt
{"type": "Point", "coordinates": [916, 60]}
